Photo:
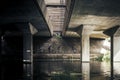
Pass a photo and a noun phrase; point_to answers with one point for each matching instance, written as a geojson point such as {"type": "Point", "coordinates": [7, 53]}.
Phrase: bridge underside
{"type": "Point", "coordinates": [31, 28]}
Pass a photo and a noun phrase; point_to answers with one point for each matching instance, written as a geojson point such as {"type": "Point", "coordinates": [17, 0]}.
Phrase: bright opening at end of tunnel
{"type": "Point", "coordinates": [117, 56]}
{"type": "Point", "coordinates": [104, 54]}
{"type": "Point", "coordinates": [106, 44]}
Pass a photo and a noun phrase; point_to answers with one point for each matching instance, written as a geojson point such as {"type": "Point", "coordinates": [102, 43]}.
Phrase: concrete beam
{"type": "Point", "coordinates": [33, 30]}
{"type": "Point", "coordinates": [27, 28]}
{"type": "Point", "coordinates": [68, 13]}
{"type": "Point", "coordinates": [56, 6]}
{"type": "Point", "coordinates": [111, 31]}
{"type": "Point", "coordinates": [42, 9]}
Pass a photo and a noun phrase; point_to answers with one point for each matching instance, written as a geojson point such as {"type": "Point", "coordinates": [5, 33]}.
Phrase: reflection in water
{"type": "Point", "coordinates": [72, 70]}
{"type": "Point", "coordinates": [99, 71]}
{"type": "Point", "coordinates": [86, 71]}
{"type": "Point", "coordinates": [57, 70]}
{"type": "Point", "coordinates": [117, 70]}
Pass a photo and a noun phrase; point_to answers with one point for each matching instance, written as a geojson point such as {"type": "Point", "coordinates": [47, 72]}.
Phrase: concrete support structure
{"type": "Point", "coordinates": [111, 56]}
{"type": "Point", "coordinates": [115, 53]}
{"type": "Point", "coordinates": [85, 48]}
{"type": "Point", "coordinates": [85, 51]}
{"type": "Point", "coordinates": [86, 71]}
{"type": "Point", "coordinates": [85, 41]}
{"type": "Point", "coordinates": [115, 46]}
{"type": "Point", "coordinates": [27, 54]}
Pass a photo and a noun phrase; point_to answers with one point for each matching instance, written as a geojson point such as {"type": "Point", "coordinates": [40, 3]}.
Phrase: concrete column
{"type": "Point", "coordinates": [85, 48]}
{"type": "Point", "coordinates": [116, 48]}
{"type": "Point", "coordinates": [86, 71]}
{"type": "Point", "coordinates": [115, 55]}
{"type": "Point", "coordinates": [28, 54]}
{"type": "Point", "coordinates": [111, 56]}
{"type": "Point", "coordinates": [85, 42]}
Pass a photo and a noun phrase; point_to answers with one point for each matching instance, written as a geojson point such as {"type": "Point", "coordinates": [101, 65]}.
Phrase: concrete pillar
{"type": "Point", "coordinates": [116, 48]}
{"type": "Point", "coordinates": [115, 52]}
{"type": "Point", "coordinates": [85, 42]}
{"type": "Point", "coordinates": [111, 56]}
{"type": "Point", "coordinates": [85, 51]}
{"type": "Point", "coordinates": [85, 48]}
{"type": "Point", "coordinates": [115, 55]}
{"type": "Point", "coordinates": [86, 71]}
{"type": "Point", "coordinates": [27, 54]}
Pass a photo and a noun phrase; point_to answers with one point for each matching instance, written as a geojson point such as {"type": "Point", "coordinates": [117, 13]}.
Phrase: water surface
{"type": "Point", "coordinates": [74, 70]}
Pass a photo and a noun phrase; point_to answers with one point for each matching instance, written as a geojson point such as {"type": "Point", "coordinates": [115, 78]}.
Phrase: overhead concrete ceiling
{"type": "Point", "coordinates": [23, 11]}
{"type": "Point", "coordinates": [48, 16]}
{"type": "Point", "coordinates": [55, 2]}
{"type": "Point", "coordinates": [55, 15]}
{"type": "Point", "coordinates": [100, 14]}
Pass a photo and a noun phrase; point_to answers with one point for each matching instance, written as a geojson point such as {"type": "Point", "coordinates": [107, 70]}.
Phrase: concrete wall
{"type": "Point", "coordinates": [56, 45]}
{"type": "Point", "coordinates": [64, 46]}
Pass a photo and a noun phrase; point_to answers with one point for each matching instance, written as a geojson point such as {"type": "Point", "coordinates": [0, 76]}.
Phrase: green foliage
{"type": "Point", "coordinates": [99, 58]}
{"type": "Point", "coordinates": [58, 36]}
{"type": "Point", "coordinates": [106, 57]}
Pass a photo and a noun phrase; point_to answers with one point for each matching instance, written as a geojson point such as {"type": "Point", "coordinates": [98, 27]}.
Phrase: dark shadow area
{"type": "Point", "coordinates": [97, 7]}
{"type": "Point", "coordinates": [11, 53]}
{"type": "Point", "coordinates": [57, 70]}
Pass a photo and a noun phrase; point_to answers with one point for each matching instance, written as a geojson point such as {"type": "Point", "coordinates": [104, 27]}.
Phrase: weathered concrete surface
{"type": "Point", "coordinates": [103, 14]}
{"type": "Point", "coordinates": [116, 49]}
{"type": "Point", "coordinates": [85, 48]}
{"type": "Point", "coordinates": [62, 47]}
